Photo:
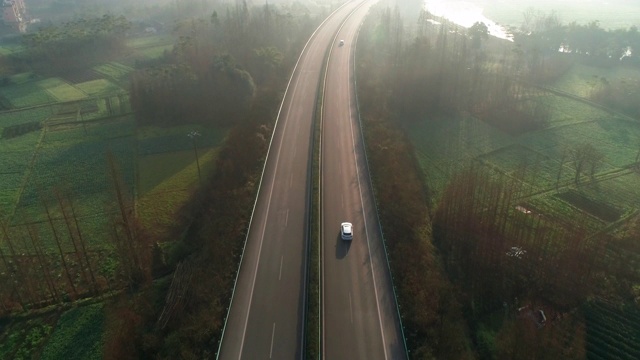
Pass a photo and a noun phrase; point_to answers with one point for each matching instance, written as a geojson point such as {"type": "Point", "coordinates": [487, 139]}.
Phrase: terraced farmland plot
{"type": "Point", "coordinates": [552, 207]}
{"type": "Point", "coordinates": [61, 90]}
{"type": "Point", "coordinates": [75, 161]}
{"type": "Point", "coordinates": [17, 154]}
{"type": "Point", "coordinates": [566, 111]}
{"type": "Point", "coordinates": [538, 170]}
{"type": "Point", "coordinates": [114, 70]}
{"type": "Point", "coordinates": [612, 333]}
{"type": "Point", "coordinates": [26, 95]}
{"type": "Point", "coordinates": [456, 140]}
{"type": "Point", "coordinates": [100, 87]}
{"type": "Point", "coordinates": [17, 117]}
{"type": "Point", "coordinates": [621, 191]}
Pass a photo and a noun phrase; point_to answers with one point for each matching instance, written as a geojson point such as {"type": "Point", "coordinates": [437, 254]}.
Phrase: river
{"type": "Point", "coordinates": [465, 14]}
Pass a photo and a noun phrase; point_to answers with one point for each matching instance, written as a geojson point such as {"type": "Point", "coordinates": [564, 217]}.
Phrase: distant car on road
{"type": "Point", "coordinates": [341, 43]}
{"type": "Point", "coordinates": [346, 231]}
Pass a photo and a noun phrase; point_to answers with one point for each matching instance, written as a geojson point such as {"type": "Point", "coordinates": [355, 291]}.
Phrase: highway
{"type": "Point", "coordinates": [360, 318]}
{"type": "Point", "coordinates": [267, 313]}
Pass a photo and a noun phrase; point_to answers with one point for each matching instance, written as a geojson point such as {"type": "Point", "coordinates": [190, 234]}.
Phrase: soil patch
{"type": "Point", "coordinates": [598, 209]}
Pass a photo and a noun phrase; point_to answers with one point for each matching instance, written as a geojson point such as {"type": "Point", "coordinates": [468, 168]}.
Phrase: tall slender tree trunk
{"type": "Point", "coordinates": [83, 246]}
{"type": "Point", "coordinates": [45, 269]}
{"type": "Point", "coordinates": [62, 258]}
{"type": "Point", "coordinates": [72, 236]}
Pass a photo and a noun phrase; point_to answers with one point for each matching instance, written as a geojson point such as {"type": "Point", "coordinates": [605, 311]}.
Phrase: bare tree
{"type": "Point", "coordinates": [62, 257]}
{"type": "Point", "coordinates": [584, 156]}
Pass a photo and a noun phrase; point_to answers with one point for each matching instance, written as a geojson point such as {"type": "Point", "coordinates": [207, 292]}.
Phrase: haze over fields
{"type": "Point", "coordinates": [611, 14]}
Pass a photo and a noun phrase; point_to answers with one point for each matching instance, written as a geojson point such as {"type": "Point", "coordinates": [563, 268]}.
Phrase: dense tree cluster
{"type": "Point", "coordinates": [61, 47]}
{"type": "Point", "coordinates": [174, 94]}
{"type": "Point", "coordinates": [207, 78]}
{"type": "Point", "coordinates": [445, 69]}
{"type": "Point", "coordinates": [211, 74]}
{"type": "Point", "coordinates": [546, 34]}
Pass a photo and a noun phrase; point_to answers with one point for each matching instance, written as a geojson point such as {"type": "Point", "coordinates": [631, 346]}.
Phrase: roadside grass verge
{"type": "Point", "coordinates": [162, 192]}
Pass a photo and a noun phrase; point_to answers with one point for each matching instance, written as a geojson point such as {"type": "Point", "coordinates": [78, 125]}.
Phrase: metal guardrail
{"type": "Point", "coordinates": [375, 200]}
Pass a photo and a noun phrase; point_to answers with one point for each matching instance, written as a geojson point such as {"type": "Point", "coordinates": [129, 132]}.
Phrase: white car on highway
{"type": "Point", "coordinates": [346, 231]}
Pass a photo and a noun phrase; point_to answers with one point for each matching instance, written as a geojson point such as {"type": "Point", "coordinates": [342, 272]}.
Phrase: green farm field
{"type": "Point", "coordinates": [445, 146]}
{"type": "Point", "coordinates": [79, 124]}
{"type": "Point", "coordinates": [166, 182]}
{"type": "Point", "coordinates": [73, 334]}
{"type": "Point", "coordinates": [77, 334]}
{"type": "Point", "coordinates": [153, 46]}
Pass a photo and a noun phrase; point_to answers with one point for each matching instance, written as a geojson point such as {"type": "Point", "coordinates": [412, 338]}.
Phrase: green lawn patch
{"type": "Point", "coordinates": [22, 78]}
{"type": "Point", "coordinates": [154, 140]}
{"type": "Point", "coordinates": [99, 87]}
{"type": "Point", "coordinates": [166, 182]}
{"type": "Point", "coordinates": [61, 90]}
{"type": "Point", "coordinates": [167, 169]}
{"type": "Point", "coordinates": [9, 49]}
{"type": "Point", "coordinates": [596, 208]}
{"type": "Point", "coordinates": [77, 335]}
{"type": "Point", "coordinates": [582, 79]}
{"type": "Point", "coordinates": [147, 41]}
{"type": "Point", "coordinates": [114, 70]}
{"type": "Point", "coordinates": [11, 118]}
{"type": "Point", "coordinates": [154, 51]}
{"type": "Point", "coordinates": [26, 94]}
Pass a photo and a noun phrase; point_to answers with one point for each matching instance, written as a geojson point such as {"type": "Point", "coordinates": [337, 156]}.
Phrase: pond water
{"type": "Point", "coordinates": [610, 14]}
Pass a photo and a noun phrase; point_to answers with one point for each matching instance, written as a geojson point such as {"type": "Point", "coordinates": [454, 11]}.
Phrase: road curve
{"type": "Point", "coordinates": [266, 317]}
{"type": "Point", "coordinates": [360, 318]}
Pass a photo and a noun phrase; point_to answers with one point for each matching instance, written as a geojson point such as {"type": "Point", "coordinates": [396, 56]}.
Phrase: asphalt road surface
{"type": "Point", "coordinates": [266, 318]}
{"type": "Point", "coordinates": [359, 311]}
